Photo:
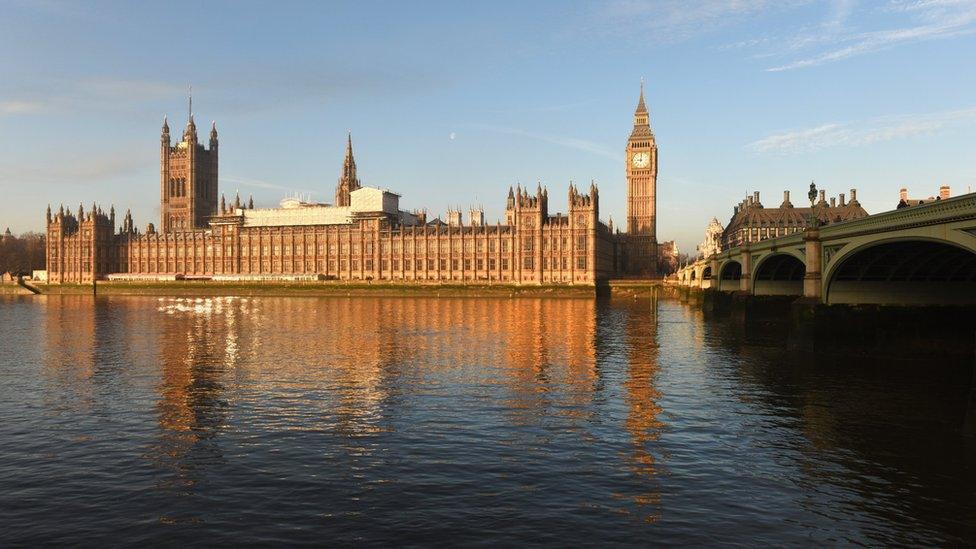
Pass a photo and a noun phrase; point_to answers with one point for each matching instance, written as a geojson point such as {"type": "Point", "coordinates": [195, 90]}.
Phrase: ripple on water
{"type": "Point", "coordinates": [199, 421]}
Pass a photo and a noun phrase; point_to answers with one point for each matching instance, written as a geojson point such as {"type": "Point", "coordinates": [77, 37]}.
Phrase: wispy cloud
{"type": "Point", "coordinates": [848, 28]}
{"type": "Point", "coordinates": [258, 184]}
{"type": "Point", "coordinates": [249, 88]}
{"type": "Point", "coordinates": [85, 169]}
{"type": "Point", "coordinates": [562, 141]}
{"type": "Point", "coordinates": [675, 20]}
{"type": "Point", "coordinates": [862, 133]}
{"type": "Point", "coordinates": [19, 106]}
{"type": "Point", "coordinates": [86, 94]}
{"type": "Point", "coordinates": [902, 22]}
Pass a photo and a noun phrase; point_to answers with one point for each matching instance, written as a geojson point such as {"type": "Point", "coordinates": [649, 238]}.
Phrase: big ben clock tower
{"type": "Point", "coordinates": [641, 158]}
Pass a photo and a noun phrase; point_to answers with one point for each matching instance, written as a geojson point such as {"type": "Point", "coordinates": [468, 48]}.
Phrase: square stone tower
{"type": "Point", "coordinates": [641, 160]}
{"type": "Point", "coordinates": [187, 179]}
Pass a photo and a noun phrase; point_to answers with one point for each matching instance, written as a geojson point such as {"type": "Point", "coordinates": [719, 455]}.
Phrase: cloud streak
{"type": "Point", "coordinates": [84, 94]}
{"type": "Point", "coordinates": [19, 106]}
{"type": "Point", "coordinates": [944, 23]}
{"type": "Point", "coordinates": [259, 184]}
{"type": "Point", "coordinates": [584, 145]}
{"type": "Point", "coordinates": [836, 40]}
{"type": "Point", "coordinates": [676, 20]}
{"type": "Point", "coordinates": [862, 133]}
{"type": "Point", "coordinates": [91, 168]}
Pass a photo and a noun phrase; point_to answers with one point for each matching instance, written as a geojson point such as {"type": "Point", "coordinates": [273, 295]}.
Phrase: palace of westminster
{"type": "Point", "coordinates": [362, 236]}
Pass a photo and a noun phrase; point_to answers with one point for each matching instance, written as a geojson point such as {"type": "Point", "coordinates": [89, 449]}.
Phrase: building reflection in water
{"type": "Point", "coordinates": [644, 422]}
{"type": "Point", "coordinates": [352, 369]}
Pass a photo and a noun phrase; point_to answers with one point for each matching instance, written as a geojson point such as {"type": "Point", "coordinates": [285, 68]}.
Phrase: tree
{"type": "Point", "coordinates": [23, 254]}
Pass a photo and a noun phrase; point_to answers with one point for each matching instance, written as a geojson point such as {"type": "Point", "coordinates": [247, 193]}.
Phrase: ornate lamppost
{"type": "Point", "coordinates": [812, 195]}
{"type": "Point", "coordinates": [812, 284]}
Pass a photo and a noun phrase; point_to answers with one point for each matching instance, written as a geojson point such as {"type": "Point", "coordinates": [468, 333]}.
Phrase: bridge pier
{"type": "Point", "coordinates": [813, 279]}
{"type": "Point", "coordinates": [745, 279]}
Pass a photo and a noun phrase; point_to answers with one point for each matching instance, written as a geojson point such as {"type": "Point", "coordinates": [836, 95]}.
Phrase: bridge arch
{"type": "Point", "coordinates": [903, 271]}
{"type": "Point", "coordinates": [779, 274]}
{"type": "Point", "coordinates": [706, 277]}
{"type": "Point", "coordinates": [730, 273]}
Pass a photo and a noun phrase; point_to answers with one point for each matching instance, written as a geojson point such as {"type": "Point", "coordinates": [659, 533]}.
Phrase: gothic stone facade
{"type": "Point", "coordinates": [363, 236]}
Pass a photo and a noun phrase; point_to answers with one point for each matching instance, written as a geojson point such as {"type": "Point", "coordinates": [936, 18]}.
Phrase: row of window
{"type": "Point", "coordinates": [418, 265]}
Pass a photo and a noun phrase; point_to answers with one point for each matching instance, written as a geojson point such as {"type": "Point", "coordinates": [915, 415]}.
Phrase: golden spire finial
{"type": "Point", "coordinates": [641, 107]}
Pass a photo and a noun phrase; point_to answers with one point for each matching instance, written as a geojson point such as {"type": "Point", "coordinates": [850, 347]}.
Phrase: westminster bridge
{"type": "Point", "coordinates": [922, 255]}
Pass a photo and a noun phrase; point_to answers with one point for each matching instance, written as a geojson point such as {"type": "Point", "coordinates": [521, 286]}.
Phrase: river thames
{"type": "Point", "coordinates": [202, 421]}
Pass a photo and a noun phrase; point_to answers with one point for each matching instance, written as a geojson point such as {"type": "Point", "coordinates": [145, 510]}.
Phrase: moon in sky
{"type": "Point", "coordinates": [452, 136]}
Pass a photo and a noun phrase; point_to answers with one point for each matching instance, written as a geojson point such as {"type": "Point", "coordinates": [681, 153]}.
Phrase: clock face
{"type": "Point", "coordinates": [641, 160]}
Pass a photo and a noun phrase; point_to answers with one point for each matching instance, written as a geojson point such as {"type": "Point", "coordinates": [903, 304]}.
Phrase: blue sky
{"type": "Point", "coordinates": [451, 102]}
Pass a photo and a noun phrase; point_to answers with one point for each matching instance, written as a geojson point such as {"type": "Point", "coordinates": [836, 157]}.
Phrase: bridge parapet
{"type": "Point", "coordinates": [770, 266]}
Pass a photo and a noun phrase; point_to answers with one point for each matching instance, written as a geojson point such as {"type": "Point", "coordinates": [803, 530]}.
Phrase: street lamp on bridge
{"type": "Point", "coordinates": [812, 195]}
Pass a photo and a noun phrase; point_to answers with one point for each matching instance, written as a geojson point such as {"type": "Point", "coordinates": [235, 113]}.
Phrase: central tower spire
{"type": "Point", "coordinates": [348, 181]}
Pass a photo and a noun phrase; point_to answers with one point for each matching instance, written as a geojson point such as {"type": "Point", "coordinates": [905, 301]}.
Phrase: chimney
{"type": "Point", "coordinates": [755, 197]}
{"type": "Point", "coordinates": [853, 196]}
{"type": "Point", "coordinates": [786, 200]}
{"type": "Point", "coordinates": [823, 196]}
{"type": "Point", "coordinates": [944, 192]}
{"type": "Point", "coordinates": [833, 202]}
{"type": "Point", "coordinates": [842, 202]}
{"type": "Point", "coordinates": [903, 194]}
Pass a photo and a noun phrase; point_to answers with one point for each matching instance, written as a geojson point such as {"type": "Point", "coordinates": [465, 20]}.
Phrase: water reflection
{"type": "Point", "coordinates": [643, 422]}
{"type": "Point", "coordinates": [409, 420]}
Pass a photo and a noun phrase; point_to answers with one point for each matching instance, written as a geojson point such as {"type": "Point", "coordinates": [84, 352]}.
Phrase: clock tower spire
{"type": "Point", "coordinates": [641, 159]}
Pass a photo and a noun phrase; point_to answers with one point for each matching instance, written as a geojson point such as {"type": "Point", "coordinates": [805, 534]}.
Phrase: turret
{"type": "Point", "coordinates": [190, 133]}
{"type": "Point", "coordinates": [48, 216]}
{"type": "Point", "coordinates": [213, 135]}
{"type": "Point", "coordinates": [454, 217]}
{"type": "Point", "coordinates": [250, 202]}
{"type": "Point", "coordinates": [164, 136]}
{"type": "Point", "coordinates": [477, 217]}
